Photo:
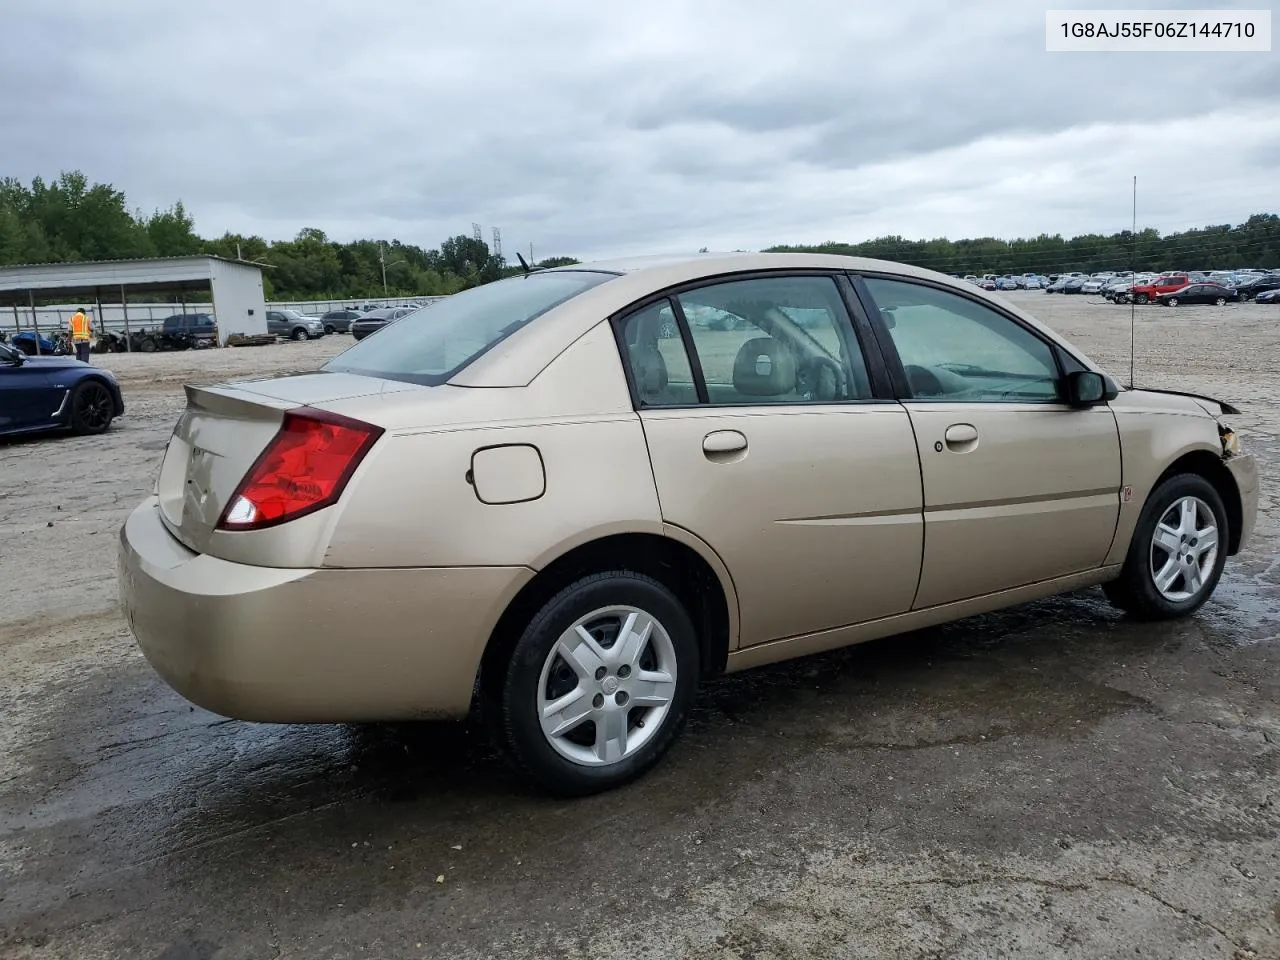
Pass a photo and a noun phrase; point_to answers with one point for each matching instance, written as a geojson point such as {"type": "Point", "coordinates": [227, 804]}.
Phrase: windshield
{"type": "Point", "coordinates": [430, 345]}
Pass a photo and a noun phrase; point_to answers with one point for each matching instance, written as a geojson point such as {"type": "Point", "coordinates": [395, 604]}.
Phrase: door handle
{"type": "Point", "coordinates": [961, 437]}
{"type": "Point", "coordinates": [721, 442]}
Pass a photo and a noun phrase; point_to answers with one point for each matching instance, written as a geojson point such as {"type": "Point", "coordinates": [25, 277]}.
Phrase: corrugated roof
{"type": "Point", "coordinates": [21, 283]}
{"type": "Point", "coordinates": [83, 263]}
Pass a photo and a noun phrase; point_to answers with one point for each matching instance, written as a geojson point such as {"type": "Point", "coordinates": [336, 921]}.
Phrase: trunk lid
{"type": "Point", "coordinates": [220, 435]}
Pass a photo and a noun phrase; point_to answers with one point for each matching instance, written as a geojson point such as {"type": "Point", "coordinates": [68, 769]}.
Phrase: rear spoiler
{"type": "Point", "coordinates": [1226, 407]}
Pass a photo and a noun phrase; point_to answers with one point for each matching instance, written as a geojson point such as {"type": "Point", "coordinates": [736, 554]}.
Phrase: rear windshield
{"type": "Point", "coordinates": [430, 345]}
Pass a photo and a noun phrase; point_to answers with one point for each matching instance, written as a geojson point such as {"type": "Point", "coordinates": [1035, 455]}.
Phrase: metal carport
{"type": "Point", "coordinates": [235, 287]}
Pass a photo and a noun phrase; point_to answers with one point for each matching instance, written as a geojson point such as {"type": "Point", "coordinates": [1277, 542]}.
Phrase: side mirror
{"type": "Point", "coordinates": [1085, 388]}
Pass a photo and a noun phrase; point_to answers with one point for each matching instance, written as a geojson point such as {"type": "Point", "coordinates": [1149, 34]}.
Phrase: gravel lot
{"type": "Point", "coordinates": [1047, 781]}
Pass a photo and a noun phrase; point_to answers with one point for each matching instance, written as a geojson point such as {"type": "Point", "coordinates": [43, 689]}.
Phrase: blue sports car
{"type": "Point", "coordinates": [48, 393]}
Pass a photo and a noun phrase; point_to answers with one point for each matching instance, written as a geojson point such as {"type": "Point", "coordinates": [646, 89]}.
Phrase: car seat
{"type": "Point", "coordinates": [764, 367]}
{"type": "Point", "coordinates": [648, 368]}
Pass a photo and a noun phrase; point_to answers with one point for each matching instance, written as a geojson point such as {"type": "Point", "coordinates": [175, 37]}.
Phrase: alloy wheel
{"type": "Point", "coordinates": [93, 407]}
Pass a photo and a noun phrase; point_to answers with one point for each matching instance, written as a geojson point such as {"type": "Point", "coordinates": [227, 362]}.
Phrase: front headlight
{"type": "Point", "coordinates": [1230, 441]}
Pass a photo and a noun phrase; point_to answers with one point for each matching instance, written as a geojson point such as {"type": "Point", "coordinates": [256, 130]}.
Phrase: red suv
{"type": "Point", "coordinates": [1145, 292]}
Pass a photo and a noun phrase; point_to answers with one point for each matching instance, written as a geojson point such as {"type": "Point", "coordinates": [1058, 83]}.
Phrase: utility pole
{"type": "Point", "coordinates": [382, 259]}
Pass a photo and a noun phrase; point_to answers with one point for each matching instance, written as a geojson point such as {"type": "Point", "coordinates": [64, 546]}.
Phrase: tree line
{"type": "Point", "coordinates": [1254, 243]}
{"type": "Point", "coordinates": [71, 219]}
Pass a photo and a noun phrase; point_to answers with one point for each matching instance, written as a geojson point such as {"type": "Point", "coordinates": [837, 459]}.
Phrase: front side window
{"type": "Point", "coordinates": [775, 340]}
{"type": "Point", "coordinates": [430, 345]}
{"type": "Point", "coordinates": [956, 349]}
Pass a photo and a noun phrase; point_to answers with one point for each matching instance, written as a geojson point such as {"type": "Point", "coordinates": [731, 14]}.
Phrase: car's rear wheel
{"type": "Point", "coordinates": [1141, 298]}
{"type": "Point", "coordinates": [1177, 553]}
{"type": "Point", "coordinates": [299, 333]}
{"type": "Point", "coordinates": [91, 408]}
{"type": "Point", "coordinates": [1221, 301]}
{"type": "Point", "coordinates": [148, 345]}
{"type": "Point", "coordinates": [599, 684]}
{"type": "Point", "coordinates": [330, 329]}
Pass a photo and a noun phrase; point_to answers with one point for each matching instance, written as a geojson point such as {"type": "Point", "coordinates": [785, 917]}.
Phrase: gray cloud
{"type": "Point", "coordinates": [603, 128]}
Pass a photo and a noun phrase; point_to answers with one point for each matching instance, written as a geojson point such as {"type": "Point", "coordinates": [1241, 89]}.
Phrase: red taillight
{"type": "Point", "coordinates": [304, 469]}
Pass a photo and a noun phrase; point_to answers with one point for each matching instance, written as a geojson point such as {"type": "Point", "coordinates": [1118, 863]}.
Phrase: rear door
{"type": "Point", "coordinates": [775, 441]}
{"type": "Point", "coordinates": [1019, 487]}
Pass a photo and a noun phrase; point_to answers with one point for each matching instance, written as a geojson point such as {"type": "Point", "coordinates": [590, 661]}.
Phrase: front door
{"type": "Point", "coordinates": [1018, 486]}
{"type": "Point", "coordinates": [771, 446]}
{"type": "Point", "coordinates": [28, 396]}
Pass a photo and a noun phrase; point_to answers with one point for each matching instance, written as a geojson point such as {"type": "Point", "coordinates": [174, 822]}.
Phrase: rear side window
{"type": "Point", "coordinates": [659, 364]}
{"type": "Point", "coordinates": [430, 345]}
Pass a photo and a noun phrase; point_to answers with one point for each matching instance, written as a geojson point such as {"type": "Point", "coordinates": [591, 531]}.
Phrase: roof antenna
{"type": "Point", "coordinates": [524, 264]}
{"type": "Point", "coordinates": [1133, 276]}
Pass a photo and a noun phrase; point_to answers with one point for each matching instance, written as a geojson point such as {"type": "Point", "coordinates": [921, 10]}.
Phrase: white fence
{"type": "Point", "coordinates": [144, 316]}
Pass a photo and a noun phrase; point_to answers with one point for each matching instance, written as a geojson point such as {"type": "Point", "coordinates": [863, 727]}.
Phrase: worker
{"type": "Point", "coordinates": [81, 332]}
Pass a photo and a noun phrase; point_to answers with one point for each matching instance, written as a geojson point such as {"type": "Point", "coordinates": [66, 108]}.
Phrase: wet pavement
{"type": "Point", "coordinates": [1051, 780]}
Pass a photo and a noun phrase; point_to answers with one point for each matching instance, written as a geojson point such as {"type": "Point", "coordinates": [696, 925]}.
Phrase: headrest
{"type": "Point", "coordinates": [649, 370]}
{"type": "Point", "coordinates": [648, 325]}
{"type": "Point", "coordinates": [764, 368]}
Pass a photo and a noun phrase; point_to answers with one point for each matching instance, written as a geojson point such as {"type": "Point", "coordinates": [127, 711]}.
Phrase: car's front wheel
{"type": "Point", "coordinates": [599, 684]}
{"type": "Point", "coordinates": [1177, 553]}
{"type": "Point", "coordinates": [299, 333]}
{"type": "Point", "coordinates": [1221, 301]}
{"type": "Point", "coordinates": [92, 408]}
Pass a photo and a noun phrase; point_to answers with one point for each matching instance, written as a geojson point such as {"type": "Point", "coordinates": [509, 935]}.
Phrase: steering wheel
{"type": "Point", "coordinates": [812, 370]}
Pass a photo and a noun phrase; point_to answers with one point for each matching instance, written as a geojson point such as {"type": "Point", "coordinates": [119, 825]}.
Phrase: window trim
{"type": "Point", "coordinates": [869, 349]}
{"type": "Point", "coordinates": [903, 388]}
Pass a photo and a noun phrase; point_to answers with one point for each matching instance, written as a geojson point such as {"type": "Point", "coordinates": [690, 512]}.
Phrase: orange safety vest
{"type": "Point", "coordinates": [79, 326]}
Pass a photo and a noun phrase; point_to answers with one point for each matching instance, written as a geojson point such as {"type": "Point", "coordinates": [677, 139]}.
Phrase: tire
{"type": "Point", "coordinates": [92, 408]}
{"type": "Point", "coordinates": [330, 329]}
{"type": "Point", "coordinates": [581, 759]}
{"type": "Point", "coordinates": [1221, 302]}
{"type": "Point", "coordinates": [299, 333]}
{"type": "Point", "coordinates": [1135, 591]}
{"type": "Point", "coordinates": [1141, 298]}
{"type": "Point", "coordinates": [147, 346]}
{"type": "Point", "coordinates": [1171, 302]}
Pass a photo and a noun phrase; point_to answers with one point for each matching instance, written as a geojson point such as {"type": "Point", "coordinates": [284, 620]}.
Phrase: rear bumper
{"type": "Point", "coordinates": [1244, 469]}
{"type": "Point", "coordinates": [297, 646]}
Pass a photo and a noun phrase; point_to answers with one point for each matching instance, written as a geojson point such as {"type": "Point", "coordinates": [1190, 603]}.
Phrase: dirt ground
{"type": "Point", "coordinates": [1047, 781]}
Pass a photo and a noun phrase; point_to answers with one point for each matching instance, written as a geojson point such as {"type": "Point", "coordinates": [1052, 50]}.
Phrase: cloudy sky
{"type": "Point", "coordinates": [597, 128]}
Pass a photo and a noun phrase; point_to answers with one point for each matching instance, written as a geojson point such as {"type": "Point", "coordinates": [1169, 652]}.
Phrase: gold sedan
{"type": "Point", "coordinates": [567, 497]}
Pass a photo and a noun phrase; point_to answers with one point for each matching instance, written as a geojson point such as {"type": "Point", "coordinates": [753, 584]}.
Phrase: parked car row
{"type": "Point", "coordinates": [1028, 281]}
{"type": "Point", "coordinates": [1211, 286]}
{"type": "Point", "coordinates": [1172, 289]}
